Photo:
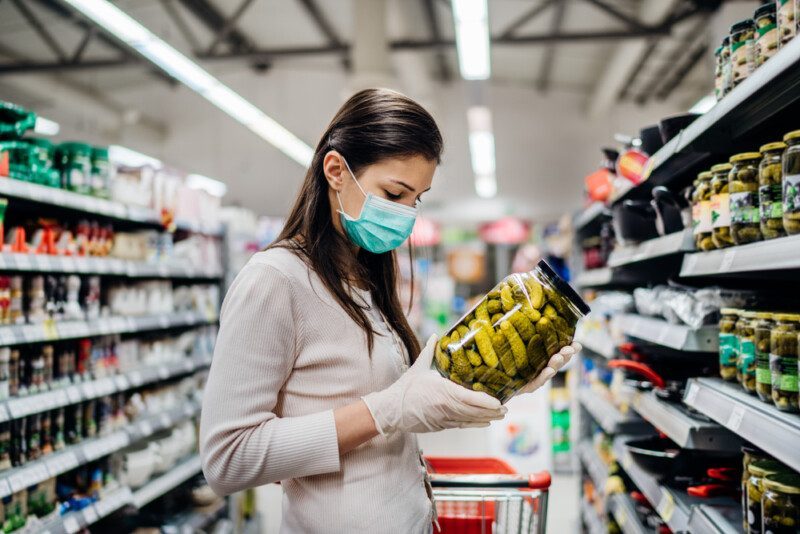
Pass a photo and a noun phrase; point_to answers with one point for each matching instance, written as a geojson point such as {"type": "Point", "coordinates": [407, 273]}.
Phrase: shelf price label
{"type": "Point", "coordinates": [735, 418]}
{"type": "Point", "coordinates": [71, 524]}
{"type": "Point", "coordinates": [50, 330]}
{"type": "Point", "coordinates": [727, 260]}
{"type": "Point", "coordinates": [666, 506]}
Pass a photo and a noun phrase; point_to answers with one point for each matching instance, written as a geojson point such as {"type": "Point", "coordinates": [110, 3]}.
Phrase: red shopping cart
{"type": "Point", "coordinates": [487, 496]}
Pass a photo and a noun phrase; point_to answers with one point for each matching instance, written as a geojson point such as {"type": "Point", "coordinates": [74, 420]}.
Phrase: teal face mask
{"type": "Point", "coordinates": [381, 226]}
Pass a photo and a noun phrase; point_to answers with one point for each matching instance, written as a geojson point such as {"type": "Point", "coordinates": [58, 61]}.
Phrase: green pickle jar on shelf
{"type": "Point", "coordinates": [754, 491]}
{"type": "Point", "coordinates": [770, 198]}
{"type": "Point", "coordinates": [746, 351]}
{"type": "Point", "coordinates": [727, 343]}
{"type": "Point", "coordinates": [750, 454]}
{"type": "Point", "coordinates": [783, 361]}
{"type": "Point", "coordinates": [763, 328]}
{"type": "Point", "coordinates": [786, 20]}
{"type": "Point", "coordinates": [75, 162]}
{"type": "Point", "coordinates": [720, 206]}
{"type": "Point", "coordinates": [701, 212]}
{"type": "Point", "coordinates": [743, 60]}
{"type": "Point", "coordinates": [43, 171]}
{"type": "Point", "coordinates": [101, 169]}
{"type": "Point", "coordinates": [791, 183]}
{"type": "Point", "coordinates": [766, 33]}
{"type": "Point", "coordinates": [780, 503]}
{"type": "Point", "coordinates": [743, 187]}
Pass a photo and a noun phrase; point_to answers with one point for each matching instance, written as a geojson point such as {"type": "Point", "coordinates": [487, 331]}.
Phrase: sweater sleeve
{"type": "Point", "coordinates": [243, 443]}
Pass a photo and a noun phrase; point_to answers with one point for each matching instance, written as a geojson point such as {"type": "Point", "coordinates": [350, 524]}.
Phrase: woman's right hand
{"type": "Point", "coordinates": [423, 401]}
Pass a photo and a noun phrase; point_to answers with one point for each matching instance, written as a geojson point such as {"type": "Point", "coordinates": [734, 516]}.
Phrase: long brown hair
{"type": "Point", "coordinates": [372, 126]}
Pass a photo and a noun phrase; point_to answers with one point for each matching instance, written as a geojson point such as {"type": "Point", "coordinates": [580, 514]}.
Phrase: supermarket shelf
{"type": "Point", "coordinates": [591, 519]}
{"type": "Point", "coordinates": [607, 415]}
{"type": "Point", "coordinates": [673, 506]}
{"type": "Point", "coordinates": [595, 337]}
{"type": "Point", "coordinates": [167, 482]}
{"type": "Point", "coordinates": [199, 518]}
{"type": "Point", "coordinates": [55, 331]}
{"type": "Point", "coordinates": [595, 277]}
{"type": "Point", "coordinates": [49, 466]}
{"type": "Point", "coordinates": [90, 265]}
{"type": "Point", "coordinates": [598, 471]}
{"type": "Point", "coordinates": [92, 389]}
{"type": "Point", "coordinates": [782, 254]}
{"type": "Point", "coordinates": [607, 278]}
{"type": "Point", "coordinates": [92, 205]}
{"type": "Point", "coordinates": [762, 424]}
{"type": "Point", "coordinates": [586, 219]}
{"type": "Point", "coordinates": [668, 245]}
{"type": "Point", "coordinates": [715, 519]}
{"type": "Point", "coordinates": [762, 105]}
{"type": "Point", "coordinates": [675, 336]}
{"type": "Point", "coordinates": [624, 512]}
{"type": "Point", "coordinates": [676, 421]}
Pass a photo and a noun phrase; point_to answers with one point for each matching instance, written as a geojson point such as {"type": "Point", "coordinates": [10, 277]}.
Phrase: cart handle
{"type": "Point", "coordinates": [538, 481]}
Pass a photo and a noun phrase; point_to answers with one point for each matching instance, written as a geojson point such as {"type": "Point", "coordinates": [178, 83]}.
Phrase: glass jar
{"type": "Point", "coordinates": [507, 338]}
{"type": "Point", "coordinates": [746, 351]}
{"type": "Point", "coordinates": [791, 183]}
{"type": "Point", "coordinates": [725, 58]}
{"type": "Point", "coordinates": [750, 454]}
{"type": "Point", "coordinates": [75, 162]}
{"type": "Point", "coordinates": [720, 206]}
{"type": "Point", "coordinates": [743, 187]}
{"type": "Point", "coordinates": [763, 329]}
{"type": "Point", "coordinates": [701, 212]}
{"type": "Point", "coordinates": [783, 361]}
{"type": "Point", "coordinates": [780, 503]}
{"type": "Point", "coordinates": [770, 199]}
{"type": "Point", "coordinates": [727, 343]}
{"type": "Point", "coordinates": [786, 20]}
{"type": "Point", "coordinates": [754, 490]}
{"type": "Point", "coordinates": [718, 79]}
{"type": "Point", "coordinates": [743, 35]}
{"type": "Point", "coordinates": [766, 32]}
{"type": "Point", "coordinates": [101, 172]}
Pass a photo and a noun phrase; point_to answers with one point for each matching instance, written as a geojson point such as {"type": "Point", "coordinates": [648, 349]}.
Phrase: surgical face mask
{"type": "Point", "coordinates": [381, 226]}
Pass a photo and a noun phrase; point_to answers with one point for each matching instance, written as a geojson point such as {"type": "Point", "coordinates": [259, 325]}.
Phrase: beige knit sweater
{"type": "Point", "coordinates": [287, 355]}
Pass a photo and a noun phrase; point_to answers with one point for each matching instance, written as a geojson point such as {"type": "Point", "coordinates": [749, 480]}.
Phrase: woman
{"type": "Point", "coordinates": [310, 383]}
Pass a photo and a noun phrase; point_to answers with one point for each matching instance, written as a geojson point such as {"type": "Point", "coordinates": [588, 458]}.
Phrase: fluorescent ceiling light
{"type": "Point", "coordinates": [704, 104]}
{"type": "Point", "coordinates": [486, 186]}
{"type": "Point", "coordinates": [126, 157]}
{"type": "Point", "coordinates": [193, 76]}
{"type": "Point", "coordinates": [209, 185]}
{"type": "Point", "coordinates": [481, 150]}
{"type": "Point", "coordinates": [472, 38]}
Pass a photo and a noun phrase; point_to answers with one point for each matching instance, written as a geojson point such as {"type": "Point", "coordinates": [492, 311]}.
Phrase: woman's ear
{"type": "Point", "coordinates": [334, 168]}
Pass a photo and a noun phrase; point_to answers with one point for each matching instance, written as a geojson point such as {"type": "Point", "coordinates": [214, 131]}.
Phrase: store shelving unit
{"type": "Point", "coordinates": [715, 519]}
{"type": "Point", "coordinates": [681, 426]}
{"type": "Point", "coordinates": [653, 249]}
{"type": "Point", "coordinates": [597, 469]}
{"type": "Point", "coordinates": [166, 482]}
{"type": "Point", "coordinates": [36, 263]}
{"type": "Point", "coordinates": [674, 336]}
{"type": "Point", "coordinates": [782, 254]}
{"type": "Point", "coordinates": [590, 518]}
{"type": "Point", "coordinates": [624, 512]}
{"type": "Point", "coordinates": [595, 339]}
{"type": "Point", "coordinates": [608, 416]}
{"type": "Point", "coordinates": [762, 424]}
{"type": "Point", "coordinates": [586, 220]}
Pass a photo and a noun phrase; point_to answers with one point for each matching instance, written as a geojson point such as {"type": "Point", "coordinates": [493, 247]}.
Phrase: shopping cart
{"type": "Point", "coordinates": [486, 496]}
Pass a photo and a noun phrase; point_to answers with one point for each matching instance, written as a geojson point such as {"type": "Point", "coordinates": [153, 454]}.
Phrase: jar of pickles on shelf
{"type": "Point", "coordinates": [780, 503]}
{"type": "Point", "coordinates": [743, 35]}
{"type": "Point", "coordinates": [701, 212]}
{"type": "Point", "coordinates": [727, 343]}
{"type": "Point", "coordinates": [766, 32]}
{"type": "Point", "coordinates": [761, 334]}
{"type": "Point", "coordinates": [786, 20]}
{"type": "Point", "coordinates": [743, 187]}
{"type": "Point", "coordinates": [754, 491]}
{"type": "Point", "coordinates": [791, 183]}
{"type": "Point", "coordinates": [720, 206]}
{"type": "Point", "coordinates": [750, 454]}
{"type": "Point", "coordinates": [783, 361]}
{"type": "Point", "coordinates": [746, 351]}
{"type": "Point", "coordinates": [770, 198]}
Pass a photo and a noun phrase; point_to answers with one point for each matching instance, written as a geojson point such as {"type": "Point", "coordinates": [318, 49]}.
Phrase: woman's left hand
{"type": "Point", "coordinates": [556, 362]}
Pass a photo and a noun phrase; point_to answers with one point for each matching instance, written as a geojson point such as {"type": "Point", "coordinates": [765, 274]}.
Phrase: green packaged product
{"type": "Point", "coordinates": [517, 326]}
{"type": "Point", "coordinates": [727, 343]}
{"type": "Point", "coordinates": [766, 45]}
{"type": "Point", "coordinates": [720, 206]}
{"type": "Point", "coordinates": [791, 183]}
{"type": "Point", "coordinates": [743, 188]}
{"type": "Point", "coordinates": [755, 490]}
{"type": "Point", "coordinates": [770, 197]}
{"type": "Point", "coordinates": [780, 503]}
{"type": "Point", "coordinates": [746, 351]}
{"type": "Point", "coordinates": [783, 361]}
{"type": "Point", "coordinates": [701, 212]}
{"type": "Point", "coordinates": [762, 331]}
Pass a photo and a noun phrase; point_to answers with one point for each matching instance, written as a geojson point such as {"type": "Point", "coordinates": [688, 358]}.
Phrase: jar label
{"type": "Point", "coordinates": [771, 201]}
{"type": "Point", "coordinates": [763, 374]}
{"type": "Point", "coordinates": [746, 358]}
{"type": "Point", "coordinates": [721, 210]}
{"type": "Point", "coordinates": [791, 193]}
{"type": "Point", "coordinates": [742, 60]}
{"type": "Point", "coordinates": [786, 22]}
{"type": "Point", "coordinates": [784, 373]}
{"type": "Point", "coordinates": [727, 349]}
{"type": "Point", "coordinates": [766, 43]}
{"type": "Point", "coordinates": [701, 217]}
{"type": "Point", "coordinates": [744, 207]}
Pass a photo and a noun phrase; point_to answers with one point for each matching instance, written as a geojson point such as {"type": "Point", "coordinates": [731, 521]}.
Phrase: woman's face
{"type": "Point", "coordinates": [401, 180]}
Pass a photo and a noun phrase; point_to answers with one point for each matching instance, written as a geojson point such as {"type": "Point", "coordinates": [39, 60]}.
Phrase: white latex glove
{"type": "Point", "coordinates": [423, 401]}
{"type": "Point", "coordinates": [557, 361]}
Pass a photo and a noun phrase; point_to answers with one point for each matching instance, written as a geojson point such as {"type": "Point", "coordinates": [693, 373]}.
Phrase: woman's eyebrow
{"type": "Point", "coordinates": [398, 182]}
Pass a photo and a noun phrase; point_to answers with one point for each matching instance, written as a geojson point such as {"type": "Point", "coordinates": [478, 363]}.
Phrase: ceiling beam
{"type": "Point", "coordinates": [87, 37]}
{"type": "Point", "coordinates": [180, 23]}
{"type": "Point", "coordinates": [229, 25]}
{"type": "Point", "coordinates": [214, 21]}
{"type": "Point", "coordinates": [324, 26]}
{"type": "Point", "coordinates": [689, 63]}
{"type": "Point", "coordinates": [626, 19]}
{"type": "Point", "coordinates": [29, 66]}
{"type": "Point", "coordinates": [39, 28]}
{"type": "Point", "coordinates": [526, 17]}
{"type": "Point", "coordinates": [546, 68]}
{"type": "Point", "coordinates": [433, 28]}
{"type": "Point", "coordinates": [652, 44]}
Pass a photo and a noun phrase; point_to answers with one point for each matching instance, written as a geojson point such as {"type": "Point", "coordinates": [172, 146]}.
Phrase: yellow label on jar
{"type": "Point", "coordinates": [701, 217]}
{"type": "Point", "coordinates": [720, 210]}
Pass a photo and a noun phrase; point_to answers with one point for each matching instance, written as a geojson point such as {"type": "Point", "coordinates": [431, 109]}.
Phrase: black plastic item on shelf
{"type": "Point", "coordinates": [663, 459]}
{"type": "Point", "coordinates": [672, 211]}
{"type": "Point", "coordinates": [671, 126]}
{"type": "Point", "coordinates": [650, 137]}
{"type": "Point", "coordinates": [634, 221]}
